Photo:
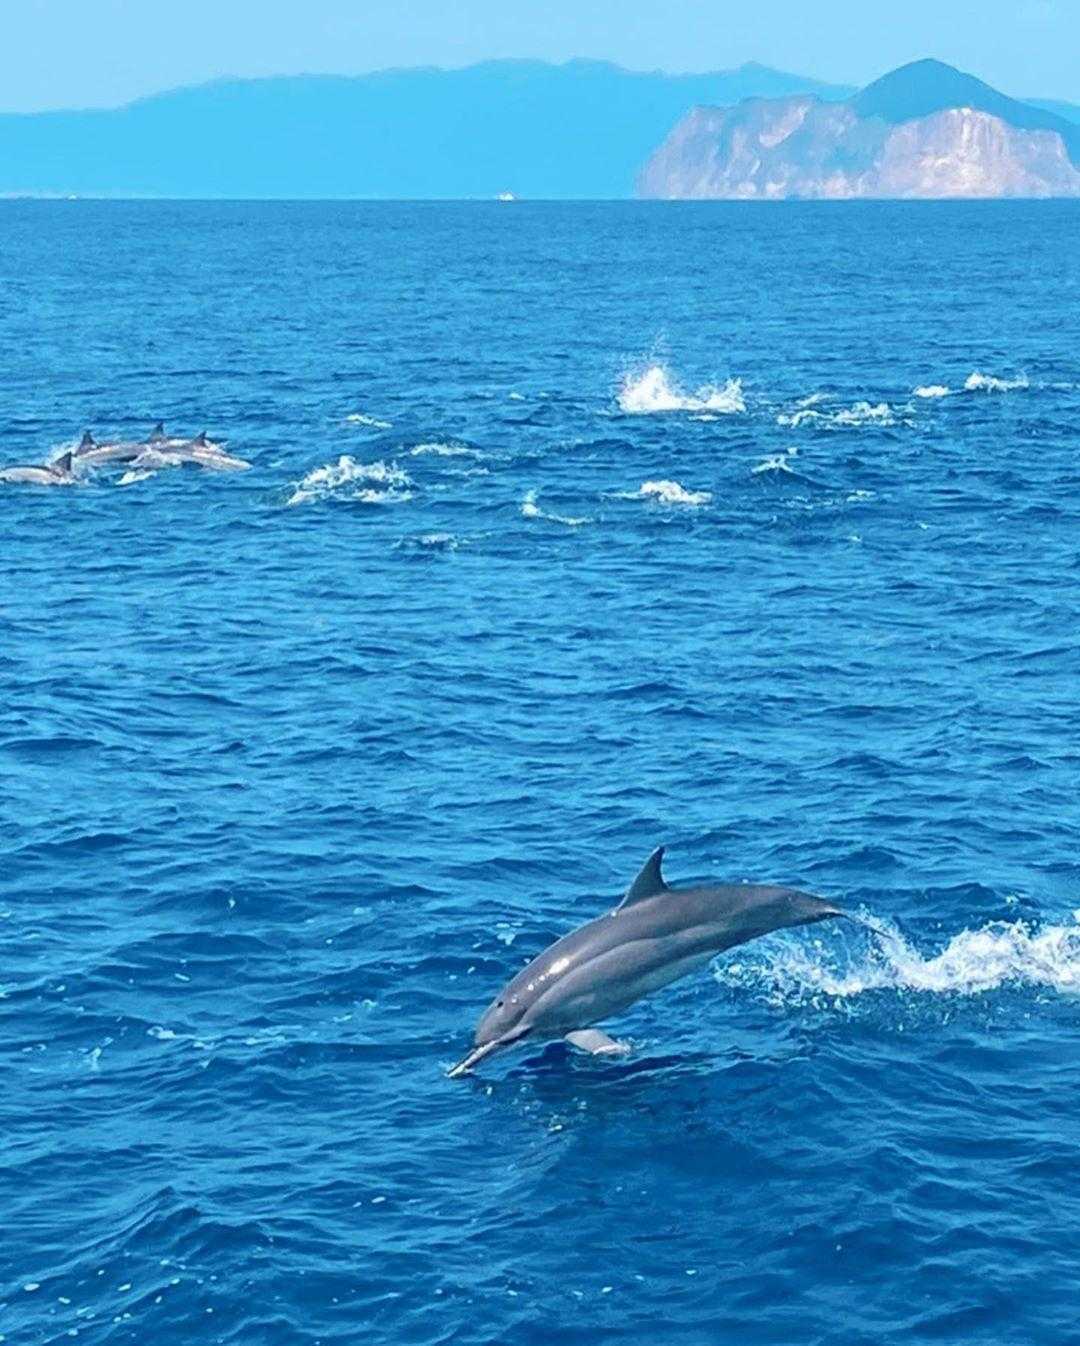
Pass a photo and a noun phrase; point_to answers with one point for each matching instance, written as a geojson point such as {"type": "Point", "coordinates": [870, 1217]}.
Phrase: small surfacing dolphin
{"type": "Point", "coordinates": [59, 473]}
{"type": "Point", "coordinates": [655, 936]}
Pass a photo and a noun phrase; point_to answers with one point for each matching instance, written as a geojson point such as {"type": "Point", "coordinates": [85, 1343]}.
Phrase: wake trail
{"type": "Point", "coordinates": [999, 954]}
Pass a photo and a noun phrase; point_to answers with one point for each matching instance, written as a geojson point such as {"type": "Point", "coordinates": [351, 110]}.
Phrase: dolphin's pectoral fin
{"type": "Point", "coordinates": [648, 883]}
{"type": "Point", "coordinates": [596, 1043]}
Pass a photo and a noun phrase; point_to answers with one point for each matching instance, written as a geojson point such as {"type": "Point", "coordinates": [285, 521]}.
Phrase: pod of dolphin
{"type": "Point", "coordinates": [156, 451]}
{"type": "Point", "coordinates": [656, 935]}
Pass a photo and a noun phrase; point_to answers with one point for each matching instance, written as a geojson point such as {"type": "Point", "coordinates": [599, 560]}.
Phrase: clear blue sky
{"type": "Point", "coordinates": [71, 53]}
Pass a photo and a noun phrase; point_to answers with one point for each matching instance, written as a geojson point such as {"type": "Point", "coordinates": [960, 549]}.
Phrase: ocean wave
{"type": "Point", "coordinates": [990, 383]}
{"type": "Point", "coordinates": [372, 422]}
{"type": "Point", "coordinates": [654, 390]}
{"type": "Point", "coordinates": [860, 413]}
{"type": "Point", "coordinates": [531, 510]}
{"type": "Point", "coordinates": [376, 483]}
{"type": "Point", "coordinates": [930, 390]}
{"type": "Point", "coordinates": [973, 962]}
{"type": "Point", "coordinates": [666, 492]}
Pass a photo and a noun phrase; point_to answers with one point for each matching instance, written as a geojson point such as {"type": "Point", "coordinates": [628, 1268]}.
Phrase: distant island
{"type": "Point", "coordinates": [533, 130]}
{"type": "Point", "coordinates": [925, 131]}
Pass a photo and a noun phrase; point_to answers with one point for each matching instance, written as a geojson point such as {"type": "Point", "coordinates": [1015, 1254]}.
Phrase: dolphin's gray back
{"type": "Point", "coordinates": [24, 474]}
{"type": "Point", "coordinates": [120, 452]}
{"type": "Point", "coordinates": [608, 964]}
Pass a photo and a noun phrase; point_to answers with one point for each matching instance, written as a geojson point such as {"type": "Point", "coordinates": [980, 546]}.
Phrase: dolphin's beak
{"type": "Point", "coordinates": [473, 1059]}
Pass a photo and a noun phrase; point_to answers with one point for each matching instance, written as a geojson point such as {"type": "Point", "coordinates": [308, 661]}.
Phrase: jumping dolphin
{"type": "Point", "coordinates": [654, 936]}
{"type": "Point", "coordinates": [59, 473]}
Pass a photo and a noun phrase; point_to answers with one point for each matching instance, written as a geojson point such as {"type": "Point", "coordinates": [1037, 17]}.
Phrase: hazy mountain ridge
{"type": "Point", "coordinates": [1070, 112]}
{"type": "Point", "coordinates": [925, 130]}
{"type": "Point", "coordinates": [582, 129]}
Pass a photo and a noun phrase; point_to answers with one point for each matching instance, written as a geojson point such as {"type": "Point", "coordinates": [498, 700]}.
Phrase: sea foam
{"type": "Point", "coordinates": [376, 483]}
{"type": "Point", "coordinates": [860, 413]}
{"type": "Point", "coordinates": [667, 492]}
{"type": "Point", "coordinates": [990, 383]}
{"type": "Point", "coordinates": [654, 390]}
{"type": "Point", "coordinates": [372, 422]}
{"type": "Point", "coordinates": [777, 462]}
{"type": "Point", "coordinates": [439, 449]}
{"type": "Point", "coordinates": [531, 510]}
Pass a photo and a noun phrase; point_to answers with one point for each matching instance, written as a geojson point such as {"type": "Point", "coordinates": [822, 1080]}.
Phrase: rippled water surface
{"type": "Point", "coordinates": [570, 530]}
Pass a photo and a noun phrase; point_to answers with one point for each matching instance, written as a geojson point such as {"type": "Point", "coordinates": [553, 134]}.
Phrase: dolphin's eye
{"type": "Point", "coordinates": [499, 1004]}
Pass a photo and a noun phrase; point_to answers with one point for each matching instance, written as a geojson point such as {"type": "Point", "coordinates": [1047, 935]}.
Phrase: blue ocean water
{"type": "Point", "coordinates": [571, 530]}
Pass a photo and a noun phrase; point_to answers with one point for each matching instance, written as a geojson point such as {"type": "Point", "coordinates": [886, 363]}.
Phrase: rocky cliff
{"type": "Point", "coordinates": [923, 131]}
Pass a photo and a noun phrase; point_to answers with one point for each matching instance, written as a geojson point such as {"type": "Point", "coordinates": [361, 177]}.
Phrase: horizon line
{"type": "Point", "coordinates": [112, 198]}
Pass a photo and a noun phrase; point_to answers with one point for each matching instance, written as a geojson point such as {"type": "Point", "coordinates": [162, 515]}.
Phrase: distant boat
{"type": "Point", "coordinates": [506, 196]}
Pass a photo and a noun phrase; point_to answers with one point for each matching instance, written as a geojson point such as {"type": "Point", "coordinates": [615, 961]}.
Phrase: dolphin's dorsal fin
{"type": "Point", "coordinates": [200, 439]}
{"type": "Point", "coordinates": [87, 441]}
{"type": "Point", "coordinates": [158, 432]}
{"type": "Point", "coordinates": [648, 883]}
{"type": "Point", "coordinates": [63, 463]}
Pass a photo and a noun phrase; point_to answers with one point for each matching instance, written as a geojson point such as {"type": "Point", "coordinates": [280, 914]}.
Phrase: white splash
{"type": "Point", "coordinates": [369, 483]}
{"type": "Point", "coordinates": [372, 422]}
{"type": "Point", "coordinates": [667, 493]}
{"type": "Point", "coordinates": [430, 542]}
{"type": "Point", "coordinates": [861, 413]}
{"type": "Point", "coordinates": [972, 962]}
{"type": "Point", "coordinates": [989, 383]}
{"type": "Point", "coordinates": [447, 450]}
{"type": "Point", "coordinates": [655, 390]}
{"type": "Point", "coordinates": [931, 390]}
{"type": "Point", "coordinates": [777, 462]}
{"type": "Point", "coordinates": [531, 510]}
